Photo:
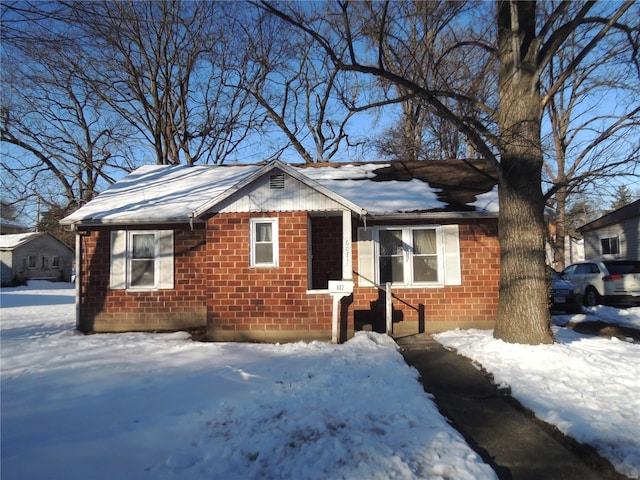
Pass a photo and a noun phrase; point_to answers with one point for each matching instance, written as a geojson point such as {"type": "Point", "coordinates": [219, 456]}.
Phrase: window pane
{"type": "Point", "coordinates": [264, 253]}
{"type": "Point", "coordinates": [391, 257]}
{"type": "Point", "coordinates": [583, 269]}
{"type": "Point", "coordinates": [615, 246]}
{"type": "Point", "coordinates": [390, 242]}
{"type": "Point", "coordinates": [610, 246]}
{"type": "Point", "coordinates": [263, 232]}
{"type": "Point", "coordinates": [143, 253]}
{"type": "Point", "coordinates": [424, 242]}
{"type": "Point", "coordinates": [143, 245]}
{"type": "Point", "coordinates": [425, 269]}
{"type": "Point", "coordinates": [142, 273]}
{"type": "Point", "coordinates": [391, 270]}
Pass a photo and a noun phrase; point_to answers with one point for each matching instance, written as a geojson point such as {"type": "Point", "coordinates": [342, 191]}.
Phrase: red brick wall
{"type": "Point", "coordinates": [472, 304]}
{"type": "Point", "coordinates": [106, 310]}
{"type": "Point", "coordinates": [255, 303]}
{"type": "Point", "coordinates": [215, 285]}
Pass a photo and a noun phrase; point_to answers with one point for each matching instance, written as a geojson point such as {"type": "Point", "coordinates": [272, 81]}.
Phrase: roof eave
{"type": "Point", "coordinates": [130, 221]}
{"type": "Point", "coordinates": [430, 215]}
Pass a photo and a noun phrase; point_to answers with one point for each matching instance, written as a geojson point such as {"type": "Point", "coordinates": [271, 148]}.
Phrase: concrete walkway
{"type": "Point", "coordinates": [513, 444]}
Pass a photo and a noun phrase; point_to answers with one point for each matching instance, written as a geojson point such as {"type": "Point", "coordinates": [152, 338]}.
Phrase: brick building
{"type": "Point", "coordinates": [256, 252]}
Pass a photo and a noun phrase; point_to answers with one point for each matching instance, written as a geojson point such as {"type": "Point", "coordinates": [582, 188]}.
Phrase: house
{"type": "Point", "coordinates": [614, 235]}
{"type": "Point", "coordinates": [34, 256]}
{"type": "Point", "coordinates": [281, 252]}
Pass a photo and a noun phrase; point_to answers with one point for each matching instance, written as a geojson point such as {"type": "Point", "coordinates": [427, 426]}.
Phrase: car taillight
{"type": "Point", "coordinates": [611, 278]}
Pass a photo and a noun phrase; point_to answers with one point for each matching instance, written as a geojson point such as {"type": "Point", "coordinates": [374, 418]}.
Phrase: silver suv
{"type": "Point", "coordinates": [606, 281]}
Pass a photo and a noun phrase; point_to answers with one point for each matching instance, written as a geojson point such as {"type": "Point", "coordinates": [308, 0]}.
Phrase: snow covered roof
{"type": "Point", "coordinates": [159, 194]}
{"type": "Point", "coordinates": [411, 187]}
{"type": "Point", "coordinates": [10, 242]}
{"type": "Point", "coordinates": [13, 241]}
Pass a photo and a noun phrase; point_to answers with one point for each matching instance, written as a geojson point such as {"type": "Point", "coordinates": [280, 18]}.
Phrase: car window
{"type": "Point", "coordinates": [570, 270]}
{"type": "Point", "coordinates": [583, 269]}
{"type": "Point", "coordinates": [593, 268]}
{"type": "Point", "coordinates": [620, 268]}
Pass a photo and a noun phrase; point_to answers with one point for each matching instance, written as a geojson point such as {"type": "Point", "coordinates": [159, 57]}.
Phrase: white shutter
{"type": "Point", "coordinates": [118, 261]}
{"type": "Point", "coordinates": [452, 273]}
{"type": "Point", "coordinates": [165, 240]}
{"type": "Point", "coordinates": [366, 258]}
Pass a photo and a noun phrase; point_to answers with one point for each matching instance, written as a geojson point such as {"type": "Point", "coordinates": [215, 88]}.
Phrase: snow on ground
{"type": "Point", "coordinates": [589, 387]}
{"type": "Point", "coordinates": [159, 406]}
{"type": "Point", "coordinates": [625, 317]}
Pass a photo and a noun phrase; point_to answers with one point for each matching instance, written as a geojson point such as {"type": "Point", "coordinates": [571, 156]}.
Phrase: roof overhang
{"type": "Point", "coordinates": [430, 215]}
{"type": "Point", "coordinates": [113, 222]}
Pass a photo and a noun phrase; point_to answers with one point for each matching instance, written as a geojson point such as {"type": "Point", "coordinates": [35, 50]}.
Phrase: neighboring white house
{"type": "Point", "coordinates": [38, 255]}
{"type": "Point", "coordinates": [614, 235]}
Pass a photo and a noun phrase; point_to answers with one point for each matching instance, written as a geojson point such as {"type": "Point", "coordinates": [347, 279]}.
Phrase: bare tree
{"type": "Point", "coordinates": [60, 146]}
{"type": "Point", "coordinates": [586, 144]}
{"type": "Point", "coordinates": [507, 135]}
{"type": "Point", "coordinates": [162, 66]}
{"type": "Point", "coordinates": [91, 88]}
{"type": "Point", "coordinates": [301, 94]}
{"type": "Point", "coordinates": [432, 57]}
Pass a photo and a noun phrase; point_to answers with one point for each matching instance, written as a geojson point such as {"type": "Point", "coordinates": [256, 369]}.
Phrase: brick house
{"type": "Point", "coordinates": [256, 252]}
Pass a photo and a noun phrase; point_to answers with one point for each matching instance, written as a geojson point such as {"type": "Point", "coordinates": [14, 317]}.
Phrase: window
{"type": "Point", "coordinates": [390, 256]}
{"type": "Point", "coordinates": [55, 262]}
{"type": "Point", "coordinates": [264, 242]}
{"type": "Point", "coordinates": [610, 246]}
{"type": "Point", "coordinates": [45, 263]}
{"type": "Point", "coordinates": [141, 259]}
{"type": "Point", "coordinates": [31, 262]}
{"type": "Point", "coordinates": [409, 255]}
{"type": "Point", "coordinates": [425, 256]}
{"type": "Point", "coordinates": [586, 269]}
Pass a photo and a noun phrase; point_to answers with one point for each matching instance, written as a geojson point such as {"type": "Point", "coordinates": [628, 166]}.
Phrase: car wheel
{"type": "Point", "coordinates": [591, 297]}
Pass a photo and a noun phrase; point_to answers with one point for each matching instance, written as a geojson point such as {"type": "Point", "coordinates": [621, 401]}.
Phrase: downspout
{"type": "Point", "coordinates": [78, 278]}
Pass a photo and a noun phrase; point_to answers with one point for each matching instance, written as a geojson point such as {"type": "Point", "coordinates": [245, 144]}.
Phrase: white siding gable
{"type": "Point", "coordinates": [269, 194]}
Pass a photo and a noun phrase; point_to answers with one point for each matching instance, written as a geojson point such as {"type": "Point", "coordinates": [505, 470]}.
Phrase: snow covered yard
{"type": "Point", "coordinates": [158, 406]}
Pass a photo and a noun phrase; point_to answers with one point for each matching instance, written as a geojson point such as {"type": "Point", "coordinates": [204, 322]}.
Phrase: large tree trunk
{"type": "Point", "coordinates": [523, 314]}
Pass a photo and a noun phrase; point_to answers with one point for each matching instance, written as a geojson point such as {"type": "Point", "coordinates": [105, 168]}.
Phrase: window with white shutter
{"type": "Point", "coordinates": [409, 256]}
{"type": "Point", "coordinates": [141, 260]}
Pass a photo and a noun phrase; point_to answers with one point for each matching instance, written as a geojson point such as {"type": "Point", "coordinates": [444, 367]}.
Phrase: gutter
{"type": "Point", "coordinates": [114, 222]}
{"type": "Point", "coordinates": [430, 215]}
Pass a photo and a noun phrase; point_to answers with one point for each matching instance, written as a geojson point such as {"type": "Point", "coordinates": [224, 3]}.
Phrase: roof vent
{"type": "Point", "coordinates": [276, 182]}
